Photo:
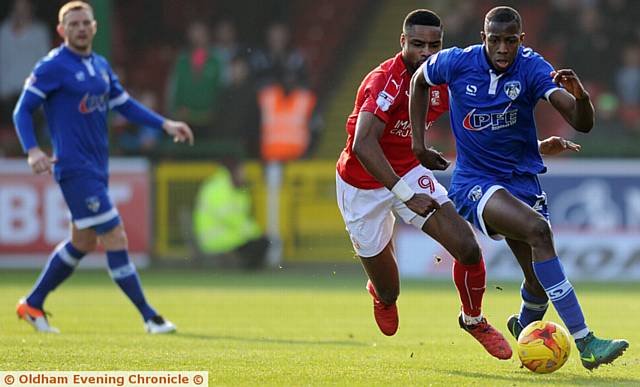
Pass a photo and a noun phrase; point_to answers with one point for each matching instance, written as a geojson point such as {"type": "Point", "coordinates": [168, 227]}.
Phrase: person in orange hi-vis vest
{"type": "Point", "coordinates": [285, 122]}
{"type": "Point", "coordinates": [286, 109]}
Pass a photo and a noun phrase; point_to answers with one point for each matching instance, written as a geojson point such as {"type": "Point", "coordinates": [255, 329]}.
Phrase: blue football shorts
{"type": "Point", "coordinates": [470, 195]}
{"type": "Point", "coordinates": [88, 200]}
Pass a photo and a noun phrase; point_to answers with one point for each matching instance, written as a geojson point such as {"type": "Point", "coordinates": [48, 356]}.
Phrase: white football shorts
{"type": "Point", "coordinates": [369, 213]}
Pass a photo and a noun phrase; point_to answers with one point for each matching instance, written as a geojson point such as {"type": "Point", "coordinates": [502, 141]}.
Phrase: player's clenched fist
{"type": "Point", "coordinates": [39, 161]}
{"type": "Point", "coordinates": [422, 204]}
{"type": "Point", "coordinates": [432, 159]}
{"type": "Point", "coordinates": [568, 79]}
{"type": "Point", "coordinates": [180, 131]}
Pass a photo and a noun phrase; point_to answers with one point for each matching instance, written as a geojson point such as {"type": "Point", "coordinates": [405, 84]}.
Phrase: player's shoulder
{"type": "Point", "coordinates": [389, 69]}
{"type": "Point", "coordinates": [456, 54]}
{"type": "Point", "coordinates": [50, 62]}
{"type": "Point", "coordinates": [101, 60]}
{"type": "Point", "coordinates": [530, 57]}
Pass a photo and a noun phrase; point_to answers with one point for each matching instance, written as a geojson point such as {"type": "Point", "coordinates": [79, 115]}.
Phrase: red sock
{"type": "Point", "coordinates": [471, 282]}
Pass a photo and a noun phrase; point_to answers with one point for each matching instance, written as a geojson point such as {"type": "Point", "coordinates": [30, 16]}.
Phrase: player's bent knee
{"type": "Point", "coordinates": [539, 232]}
{"type": "Point", "coordinates": [85, 244]}
{"type": "Point", "coordinates": [469, 253]}
{"type": "Point", "coordinates": [115, 239]}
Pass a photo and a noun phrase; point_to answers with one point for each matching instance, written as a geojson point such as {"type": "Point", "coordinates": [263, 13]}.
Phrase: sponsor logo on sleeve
{"type": "Point", "coordinates": [384, 101]}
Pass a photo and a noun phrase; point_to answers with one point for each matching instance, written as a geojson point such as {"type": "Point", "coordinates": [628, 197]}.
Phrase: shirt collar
{"type": "Point", "coordinates": [67, 51]}
{"type": "Point", "coordinates": [400, 65]}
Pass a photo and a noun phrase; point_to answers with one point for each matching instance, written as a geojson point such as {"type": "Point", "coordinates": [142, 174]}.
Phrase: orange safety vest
{"type": "Point", "coordinates": [285, 122]}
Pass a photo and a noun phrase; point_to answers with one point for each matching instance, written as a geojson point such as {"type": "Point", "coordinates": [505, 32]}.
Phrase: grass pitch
{"type": "Point", "coordinates": [295, 327]}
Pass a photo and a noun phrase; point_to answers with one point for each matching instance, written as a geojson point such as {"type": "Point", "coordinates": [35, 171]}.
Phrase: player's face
{"type": "Point", "coordinates": [78, 29]}
{"type": "Point", "coordinates": [502, 41]}
{"type": "Point", "coordinates": [419, 43]}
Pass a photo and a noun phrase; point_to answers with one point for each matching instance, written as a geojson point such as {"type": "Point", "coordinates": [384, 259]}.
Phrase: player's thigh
{"type": "Point", "coordinates": [507, 215]}
{"type": "Point", "coordinates": [84, 240]}
{"type": "Point", "coordinates": [454, 234]}
{"type": "Point", "coordinates": [88, 200]}
{"type": "Point", "coordinates": [367, 216]}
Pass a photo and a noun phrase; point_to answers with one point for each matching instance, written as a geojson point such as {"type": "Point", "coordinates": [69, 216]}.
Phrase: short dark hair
{"type": "Point", "coordinates": [503, 14]}
{"type": "Point", "coordinates": [421, 17]}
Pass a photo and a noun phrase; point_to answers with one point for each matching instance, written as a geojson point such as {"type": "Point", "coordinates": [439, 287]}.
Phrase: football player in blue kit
{"type": "Point", "coordinates": [77, 89]}
{"type": "Point", "coordinates": [493, 89]}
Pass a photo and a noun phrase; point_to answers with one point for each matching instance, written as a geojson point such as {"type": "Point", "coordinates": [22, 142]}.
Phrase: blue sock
{"type": "Point", "coordinates": [61, 264]}
{"type": "Point", "coordinates": [533, 307]}
{"type": "Point", "coordinates": [560, 291]}
{"type": "Point", "coordinates": [124, 274]}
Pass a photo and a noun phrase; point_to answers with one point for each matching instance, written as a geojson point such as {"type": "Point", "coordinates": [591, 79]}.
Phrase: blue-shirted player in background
{"type": "Point", "coordinates": [493, 89]}
{"type": "Point", "coordinates": [78, 88]}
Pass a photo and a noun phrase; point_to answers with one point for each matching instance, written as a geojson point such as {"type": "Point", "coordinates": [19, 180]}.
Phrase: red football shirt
{"type": "Point", "coordinates": [385, 93]}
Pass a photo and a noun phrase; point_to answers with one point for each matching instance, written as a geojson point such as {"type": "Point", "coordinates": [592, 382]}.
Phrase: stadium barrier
{"type": "Point", "coordinates": [34, 217]}
{"type": "Point", "coordinates": [310, 224]}
{"type": "Point", "coordinates": [594, 206]}
{"type": "Point", "coordinates": [594, 210]}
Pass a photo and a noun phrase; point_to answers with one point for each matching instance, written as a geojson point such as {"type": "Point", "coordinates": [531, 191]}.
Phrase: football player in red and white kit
{"type": "Point", "coordinates": [379, 176]}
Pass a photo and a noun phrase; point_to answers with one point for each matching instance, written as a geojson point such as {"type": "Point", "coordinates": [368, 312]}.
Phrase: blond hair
{"type": "Point", "coordinates": [73, 6]}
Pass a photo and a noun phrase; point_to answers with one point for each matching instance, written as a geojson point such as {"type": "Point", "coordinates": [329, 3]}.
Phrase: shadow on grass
{"type": "Point", "coordinates": [268, 340]}
{"type": "Point", "coordinates": [587, 379]}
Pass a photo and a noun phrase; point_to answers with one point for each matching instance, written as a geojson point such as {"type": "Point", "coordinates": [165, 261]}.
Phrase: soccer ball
{"type": "Point", "coordinates": [543, 346]}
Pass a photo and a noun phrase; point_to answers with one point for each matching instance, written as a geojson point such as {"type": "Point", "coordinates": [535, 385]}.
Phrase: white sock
{"type": "Point", "coordinates": [468, 320]}
{"type": "Point", "coordinates": [581, 334]}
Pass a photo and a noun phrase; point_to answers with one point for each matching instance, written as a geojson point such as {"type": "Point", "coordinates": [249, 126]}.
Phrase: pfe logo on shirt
{"type": "Point", "coordinates": [91, 103]}
{"type": "Point", "coordinates": [80, 76]}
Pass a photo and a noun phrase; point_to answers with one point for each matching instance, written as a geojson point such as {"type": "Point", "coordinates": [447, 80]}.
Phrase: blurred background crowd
{"type": "Point", "coordinates": [229, 68]}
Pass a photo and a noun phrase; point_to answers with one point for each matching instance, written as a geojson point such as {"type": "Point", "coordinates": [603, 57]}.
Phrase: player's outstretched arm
{"type": "Point", "coordinates": [136, 112]}
{"type": "Point", "coordinates": [418, 103]}
{"type": "Point", "coordinates": [572, 102]}
{"type": "Point", "coordinates": [554, 145]}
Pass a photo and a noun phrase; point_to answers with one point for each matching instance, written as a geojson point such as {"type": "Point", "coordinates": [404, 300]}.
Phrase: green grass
{"type": "Point", "coordinates": [293, 327]}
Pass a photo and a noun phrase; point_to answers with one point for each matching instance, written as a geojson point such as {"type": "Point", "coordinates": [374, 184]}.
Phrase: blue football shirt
{"type": "Point", "coordinates": [492, 114]}
{"type": "Point", "coordinates": [77, 94]}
